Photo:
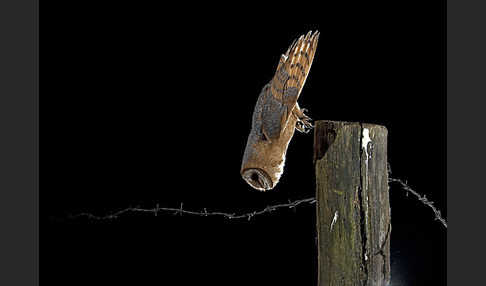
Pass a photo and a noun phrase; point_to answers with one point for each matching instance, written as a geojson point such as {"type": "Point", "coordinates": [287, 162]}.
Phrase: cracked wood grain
{"type": "Point", "coordinates": [352, 179]}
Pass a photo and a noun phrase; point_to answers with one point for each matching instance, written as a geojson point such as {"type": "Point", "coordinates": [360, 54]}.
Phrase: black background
{"type": "Point", "coordinates": [144, 104]}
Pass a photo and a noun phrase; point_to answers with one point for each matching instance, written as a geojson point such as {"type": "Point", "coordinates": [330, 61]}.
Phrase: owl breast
{"type": "Point", "coordinates": [264, 160]}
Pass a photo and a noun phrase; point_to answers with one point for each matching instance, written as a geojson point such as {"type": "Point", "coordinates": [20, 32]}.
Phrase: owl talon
{"type": "Point", "coordinates": [303, 124]}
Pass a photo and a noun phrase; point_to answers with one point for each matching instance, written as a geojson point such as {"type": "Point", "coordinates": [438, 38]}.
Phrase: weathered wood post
{"type": "Point", "coordinates": [353, 208]}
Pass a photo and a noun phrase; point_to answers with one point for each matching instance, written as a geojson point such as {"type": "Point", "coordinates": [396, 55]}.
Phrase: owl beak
{"type": "Point", "coordinates": [258, 179]}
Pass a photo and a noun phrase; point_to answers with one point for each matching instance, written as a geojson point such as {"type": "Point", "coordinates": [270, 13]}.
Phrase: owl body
{"type": "Point", "coordinates": [265, 156]}
{"type": "Point", "coordinates": [277, 115]}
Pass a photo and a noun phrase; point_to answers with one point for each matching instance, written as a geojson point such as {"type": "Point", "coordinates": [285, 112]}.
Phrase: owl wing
{"type": "Point", "coordinates": [287, 83]}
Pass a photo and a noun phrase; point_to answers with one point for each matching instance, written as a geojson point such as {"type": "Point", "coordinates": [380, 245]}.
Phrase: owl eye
{"type": "Point", "coordinates": [254, 177]}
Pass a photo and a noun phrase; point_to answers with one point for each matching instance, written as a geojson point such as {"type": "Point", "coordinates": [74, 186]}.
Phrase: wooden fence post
{"type": "Point", "coordinates": [353, 208]}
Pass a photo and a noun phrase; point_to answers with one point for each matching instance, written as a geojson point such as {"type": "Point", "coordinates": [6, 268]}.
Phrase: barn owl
{"type": "Point", "coordinates": [277, 114]}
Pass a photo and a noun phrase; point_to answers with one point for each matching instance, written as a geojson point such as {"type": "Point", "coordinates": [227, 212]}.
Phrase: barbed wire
{"type": "Point", "coordinates": [181, 211]}
{"type": "Point", "coordinates": [422, 199]}
{"type": "Point", "coordinates": [249, 215]}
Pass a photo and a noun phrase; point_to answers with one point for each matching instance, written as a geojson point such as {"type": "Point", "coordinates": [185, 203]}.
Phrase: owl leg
{"type": "Point", "coordinates": [304, 124]}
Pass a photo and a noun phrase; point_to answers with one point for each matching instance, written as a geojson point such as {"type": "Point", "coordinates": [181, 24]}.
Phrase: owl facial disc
{"type": "Point", "coordinates": [258, 179]}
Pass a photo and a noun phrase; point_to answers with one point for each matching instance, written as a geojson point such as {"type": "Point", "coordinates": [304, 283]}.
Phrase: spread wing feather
{"type": "Point", "coordinates": [287, 83]}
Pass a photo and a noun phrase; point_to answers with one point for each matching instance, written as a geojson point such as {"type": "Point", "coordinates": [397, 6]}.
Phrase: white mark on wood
{"type": "Point", "coordinates": [364, 142]}
{"type": "Point", "coordinates": [334, 219]}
